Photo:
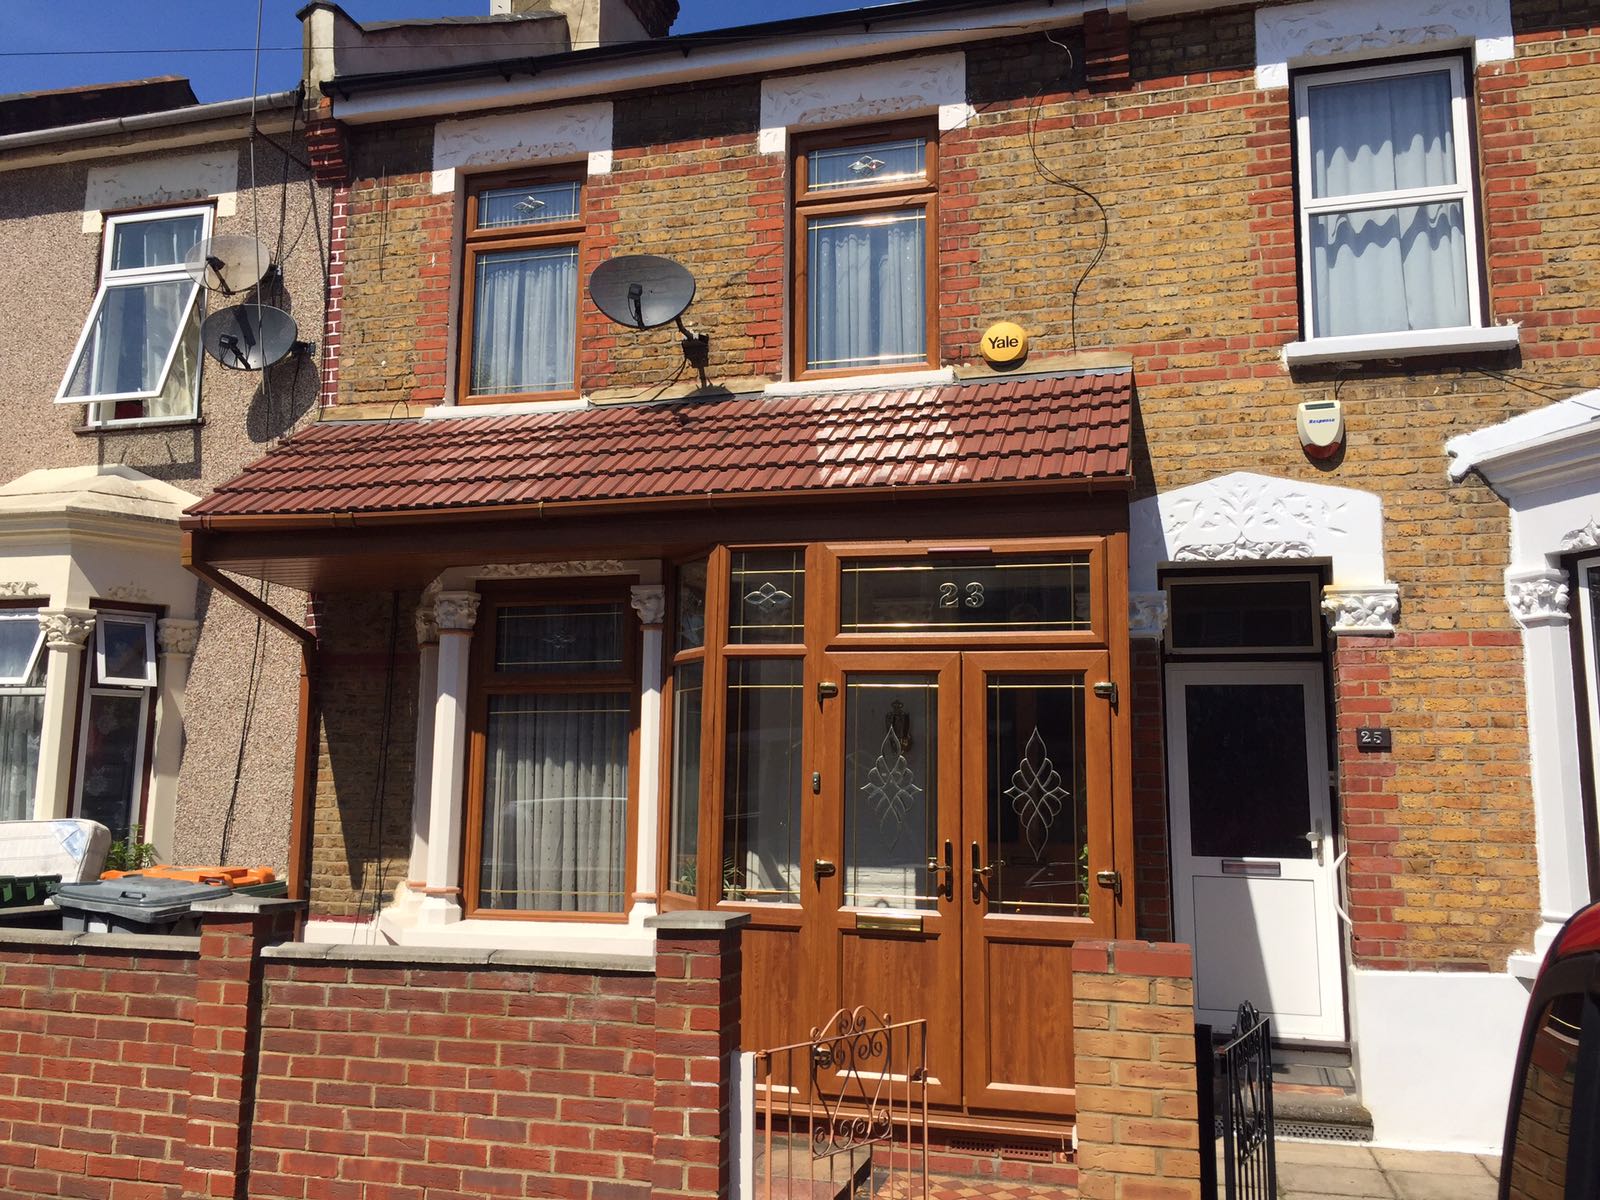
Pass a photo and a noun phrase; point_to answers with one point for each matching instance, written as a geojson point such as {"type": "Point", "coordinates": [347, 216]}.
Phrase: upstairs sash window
{"type": "Point", "coordinates": [1388, 219]}
{"type": "Point", "coordinates": [138, 357]}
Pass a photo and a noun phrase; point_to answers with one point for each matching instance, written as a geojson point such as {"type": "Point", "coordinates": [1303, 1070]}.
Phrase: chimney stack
{"type": "Point", "coordinates": [593, 23]}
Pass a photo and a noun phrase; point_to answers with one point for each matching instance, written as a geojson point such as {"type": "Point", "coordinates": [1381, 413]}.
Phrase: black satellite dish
{"type": "Point", "coordinates": [248, 337]}
{"type": "Point", "coordinates": [641, 291]}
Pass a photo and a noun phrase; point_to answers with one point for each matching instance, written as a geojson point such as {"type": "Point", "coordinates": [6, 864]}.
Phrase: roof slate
{"type": "Point", "coordinates": [1061, 427]}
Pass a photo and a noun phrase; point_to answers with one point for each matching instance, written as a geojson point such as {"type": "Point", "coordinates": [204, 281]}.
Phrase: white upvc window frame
{"type": "Point", "coordinates": [98, 408]}
{"type": "Point", "coordinates": [1463, 191]}
{"type": "Point", "coordinates": [98, 685]}
{"type": "Point", "coordinates": [1586, 573]}
{"type": "Point", "coordinates": [148, 626]}
{"type": "Point", "coordinates": [21, 614]}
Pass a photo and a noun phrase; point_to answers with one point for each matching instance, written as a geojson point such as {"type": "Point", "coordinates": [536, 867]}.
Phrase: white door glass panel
{"type": "Point", "coordinates": [524, 320]}
{"type": "Point", "coordinates": [1253, 844]}
{"type": "Point", "coordinates": [867, 290]}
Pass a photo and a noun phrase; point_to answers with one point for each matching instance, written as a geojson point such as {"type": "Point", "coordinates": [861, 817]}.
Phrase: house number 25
{"type": "Point", "coordinates": [954, 595]}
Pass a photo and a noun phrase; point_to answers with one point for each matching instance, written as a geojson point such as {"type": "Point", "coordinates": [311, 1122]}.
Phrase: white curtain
{"type": "Point", "coordinates": [21, 725]}
{"type": "Point", "coordinates": [556, 803]}
{"type": "Point", "coordinates": [1386, 269]}
{"type": "Point", "coordinates": [868, 291]}
{"type": "Point", "coordinates": [524, 321]}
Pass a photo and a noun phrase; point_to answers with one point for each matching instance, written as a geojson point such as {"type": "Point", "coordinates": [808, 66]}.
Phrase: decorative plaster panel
{"type": "Point", "coordinates": [1537, 597]}
{"type": "Point", "coordinates": [571, 132]}
{"type": "Point", "coordinates": [650, 602]}
{"type": "Point", "coordinates": [20, 589]}
{"type": "Point", "coordinates": [934, 82]}
{"type": "Point", "coordinates": [1369, 611]}
{"type": "Point", "coordinates": [1244, 517]}
{"type": "Point", "coordinates": [550, 570]}
{"type": "Point", "coordinates": [1587, 538]}
{"type": "Point", "coordinates": [1341, 30]}
{"type": "Point", "coordinates": [1147, 615]}
{"type": "Point", "coordinates": [173, 179]}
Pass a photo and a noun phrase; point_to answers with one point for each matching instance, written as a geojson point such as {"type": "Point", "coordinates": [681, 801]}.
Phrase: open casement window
{"type": "Point", "coordinates": [866, 266]}
{"type": "Point", "coordinates": [1388, 218]}
{"type": "Point", "coordinates": [553, 730]}
{"type": "Point", "coordinates": [522, 270]}
{"type": "Point", "coordinates": [138, 358]}
{"type": "Point", "coordinates": [114, 730]}
{"type": "Point", "coordinates": [22, 667]}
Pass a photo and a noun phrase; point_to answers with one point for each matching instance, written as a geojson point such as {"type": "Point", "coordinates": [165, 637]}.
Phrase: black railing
{"type": "Point", "coordinates": [1235, 1094]}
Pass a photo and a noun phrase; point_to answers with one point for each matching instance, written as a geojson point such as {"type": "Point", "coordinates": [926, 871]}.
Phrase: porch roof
{"type": "Point", "coordinates": [989, 433]}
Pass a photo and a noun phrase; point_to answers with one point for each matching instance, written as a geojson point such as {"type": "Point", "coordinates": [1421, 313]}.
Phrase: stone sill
{"type": "Point", "coordinates": [1424, 343]}
{"type": "Point", "coordinates": [124, 427]}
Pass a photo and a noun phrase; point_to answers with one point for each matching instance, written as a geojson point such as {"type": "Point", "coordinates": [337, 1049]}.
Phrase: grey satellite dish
{"type": "Point", "coordinates": [230, 264]}
{"type": "Point", "coordinates": [248, 337]}
{"type": "Point", "coordinates": [641, 291]}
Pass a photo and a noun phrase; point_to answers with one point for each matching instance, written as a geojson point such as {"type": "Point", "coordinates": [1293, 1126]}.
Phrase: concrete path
{"type": "Point", "coordinates": [1331, 1171]}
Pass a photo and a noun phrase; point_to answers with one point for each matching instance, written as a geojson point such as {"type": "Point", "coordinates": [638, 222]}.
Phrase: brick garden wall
{"type": "Point", "coordinates": [238, 1065]}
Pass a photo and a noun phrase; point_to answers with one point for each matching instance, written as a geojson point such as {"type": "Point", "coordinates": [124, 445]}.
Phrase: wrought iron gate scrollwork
{"type": "Point", "coordinates": [1235, 1084]}
{"type": "Point", "coordinates": [853, 1039]}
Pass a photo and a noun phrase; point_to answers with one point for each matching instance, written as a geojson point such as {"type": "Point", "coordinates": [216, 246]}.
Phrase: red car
{"type": "Point", "coordinates": [1552, 1147]}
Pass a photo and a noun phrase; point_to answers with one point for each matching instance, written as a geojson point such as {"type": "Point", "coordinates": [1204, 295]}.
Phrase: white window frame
{"type": "Point", "coordinates": [1587, 575]}
{"type": "Point", "coordinates": [17, 614]}
{"type": "Point", "coordinates": [148, 624]}
{"type": "Point", "coordinates": [1463, 191]}
{"type": "Point", "coordinates": [112, 689]}
{"type": "Point", "coordinates": [99, 407]}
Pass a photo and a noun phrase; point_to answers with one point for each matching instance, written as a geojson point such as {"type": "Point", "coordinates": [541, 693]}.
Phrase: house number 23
{"type": "Point", "coordinates": [954, 595]}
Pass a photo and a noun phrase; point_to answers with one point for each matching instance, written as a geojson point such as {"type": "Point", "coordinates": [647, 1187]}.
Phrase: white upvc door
{"type": "Point", "coordinates": [1253, 844]}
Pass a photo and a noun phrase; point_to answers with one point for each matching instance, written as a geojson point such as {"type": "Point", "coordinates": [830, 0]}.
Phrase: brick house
{"type": "Point", "coordinates": [117, 422]}
{"type": "Point", "coordinates": [934, 667]}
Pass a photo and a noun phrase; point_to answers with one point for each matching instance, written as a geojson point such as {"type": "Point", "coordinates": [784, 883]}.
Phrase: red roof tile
{"type": "Point", "coordinates": [1035, 428]}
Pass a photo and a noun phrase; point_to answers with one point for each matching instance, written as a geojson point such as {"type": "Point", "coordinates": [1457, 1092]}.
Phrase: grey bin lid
{"type": "Point", "coordinates": [148, 901]}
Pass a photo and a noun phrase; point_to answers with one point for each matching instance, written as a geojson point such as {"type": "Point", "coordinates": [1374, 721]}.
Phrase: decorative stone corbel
{"type": "Point", "coordinates": [1147, 615]}
{"type": "Point", "coordinates": [649, 601]}
{"type": "Point", "coordinates": [1362, 611]}
{"type": "Point", "coordinates": [1537, 597]}
{"type": "Point", "coordinates": [175, 636]}
{"type": "Point", "coordinates": [66, 628]}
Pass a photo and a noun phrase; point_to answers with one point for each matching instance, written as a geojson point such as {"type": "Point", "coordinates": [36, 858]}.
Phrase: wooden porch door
{"type": "Point", "coordinates": [961, 817]}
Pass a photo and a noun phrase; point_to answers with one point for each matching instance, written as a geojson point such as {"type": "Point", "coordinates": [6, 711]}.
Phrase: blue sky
{"type": "Point", "coordinates": [65, 43]}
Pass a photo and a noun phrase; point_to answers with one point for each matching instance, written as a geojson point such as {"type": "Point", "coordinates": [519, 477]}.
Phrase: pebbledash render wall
{"type": "Point", "coordinates": [51, 241]}
{"type": "Point", "coordinates": [1164, 123]}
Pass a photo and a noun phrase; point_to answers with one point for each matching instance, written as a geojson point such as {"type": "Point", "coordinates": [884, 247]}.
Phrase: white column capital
{"type": "Point", "coordinates": [66, 628]}
{"type": "Point", "coordinates": [1369, 611]}
{"type": "Point", "coordinates": [1538, 597]}
{"type": "Point", "coordinates": [1147, 615]}
{"type": "Point", "coordinates": [456, 612]}
{"type": "Point", "coordinates": [649, 601]}
{"type": "Point", "coordinates": [176, 636]}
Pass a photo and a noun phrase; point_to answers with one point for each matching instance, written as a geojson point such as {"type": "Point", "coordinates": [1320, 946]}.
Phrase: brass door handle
{"type": "Point", "coordinates": [978, 872]}
{"type": "Point", "coordinates": [821, 868]}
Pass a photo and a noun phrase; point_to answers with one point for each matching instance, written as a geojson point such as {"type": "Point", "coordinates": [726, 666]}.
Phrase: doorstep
{"type": "Point", "coordinates": [1314, 1096]}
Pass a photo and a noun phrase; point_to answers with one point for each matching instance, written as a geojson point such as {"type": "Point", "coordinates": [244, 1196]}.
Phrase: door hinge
{"type": "Point", "coordinates": [1112, 880]}
{"type": "Point", "coordinates": [1106, 691]}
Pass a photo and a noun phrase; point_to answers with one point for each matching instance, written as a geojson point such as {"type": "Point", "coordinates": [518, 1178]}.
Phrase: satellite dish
{"type": "Point", "coordinates": [641, 291]}
{"type": "Point", "coordinates": [248, 337]}
{"type": "Point", "coordinates": [230, 263]}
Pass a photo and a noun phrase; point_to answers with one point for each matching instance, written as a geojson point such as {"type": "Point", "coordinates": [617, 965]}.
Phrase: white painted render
{"type": "Point", "coordinates": [1333, 31]}
{"type": "Point", "coordinates": [575, 131]}
{"type": "Point", "coordinates": [934, 82]}
{"type": "Point", "coordinates": [1434, 1053]}
{"type": "Point", "coordinates": [169, 179]}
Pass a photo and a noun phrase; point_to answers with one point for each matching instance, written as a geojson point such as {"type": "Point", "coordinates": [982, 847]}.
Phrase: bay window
{"type": "Point", "coordinates": [22, 667]}
{"type": "Point", "coordinates": [114, 728]}
{"type": "Point", "coordinates": [1388, 215]}
{"type": "Point", "coordinates": [866, 261]}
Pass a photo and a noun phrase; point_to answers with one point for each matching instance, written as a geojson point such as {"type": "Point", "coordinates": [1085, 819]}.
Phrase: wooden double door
{"type": "Point", "coordinates": [956, 840]}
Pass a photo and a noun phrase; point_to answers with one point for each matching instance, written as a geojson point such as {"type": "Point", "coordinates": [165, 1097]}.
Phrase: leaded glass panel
{"type": "Point", "coordinates": [891, 789]}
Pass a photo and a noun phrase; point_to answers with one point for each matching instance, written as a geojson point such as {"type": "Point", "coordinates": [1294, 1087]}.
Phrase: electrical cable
{"type": "Point", "coordinates": [1052, 176]}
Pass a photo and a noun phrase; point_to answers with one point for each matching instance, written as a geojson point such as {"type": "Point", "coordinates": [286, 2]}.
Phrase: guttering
{"type": "Point", "coordinates": [310, 522]}
{"type": "Point", "coordinates": [48, 141]}
{"type": "Point", "coordinates": [751, 50]}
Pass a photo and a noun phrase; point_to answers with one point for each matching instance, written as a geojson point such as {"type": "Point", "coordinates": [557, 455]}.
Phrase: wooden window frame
{"type": "Point", "coordinates": [476, 242]}
{"type": "Point", "coordinates": [484, 682]}
{"type": "Point", "coordinates": [900, 194]}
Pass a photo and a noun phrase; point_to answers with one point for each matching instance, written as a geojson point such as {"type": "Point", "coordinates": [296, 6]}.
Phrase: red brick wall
{"type": "Point", "coordinates": [214, 1067]}
{"type": "Point", "coordinates": [94, 1067]}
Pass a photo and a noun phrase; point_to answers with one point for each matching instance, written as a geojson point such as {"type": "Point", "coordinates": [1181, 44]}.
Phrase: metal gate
{"type": "Point", "coordinates": [1235, 1086]}
{"type": "Point", "coordinates": [848, 1108]}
